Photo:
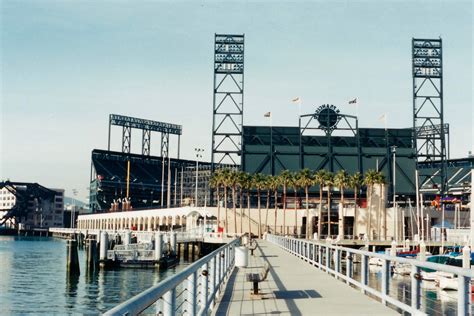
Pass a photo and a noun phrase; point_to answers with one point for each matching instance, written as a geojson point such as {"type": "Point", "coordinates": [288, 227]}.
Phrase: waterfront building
{"type": "Point", "coordinates": [30, 205]}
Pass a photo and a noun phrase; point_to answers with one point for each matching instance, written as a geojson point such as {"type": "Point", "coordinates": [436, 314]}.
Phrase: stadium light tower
{"type": "Point", "coordinates": [228, 101]}
{"type": "Point", "coordinates": [199, 152]}
{"type": "Point", "coordinates": [428, 115]}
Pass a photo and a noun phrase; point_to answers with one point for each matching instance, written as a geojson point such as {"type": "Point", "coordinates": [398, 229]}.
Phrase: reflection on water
{"type": "Point", "coordinates": [33, 279]}
{"type": "Point", "coordinates": [433, 300]}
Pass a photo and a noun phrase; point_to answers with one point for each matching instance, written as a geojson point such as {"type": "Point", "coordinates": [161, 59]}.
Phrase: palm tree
{"type": "Point", "coordinates": [306, 181]}
{"type": "Point", "coordinates": [233, 182]}
{"type": "Point", "coordinates": [216, 182]}
{"type": "Point", "coordinates": [380, 180]}
{"type": "Point", "coordinates": [285, 179]}
{"type": "Point", "coordinates": [329, 182]}
{"type": "Point", "coordinates": [355, 182]}
{"type": "Point", "coordinates": [258, 182]}
{"type": "Point", "coordinates": [247, 185]}
{"type": "Point", "coordinates": [267, 188]}
{"type": "Point", "coordinates": [274, 184]}
{"type": "Point", "coordinates": [341, 180]}
{"type": "Point", "coordinates": [294, 183]}
{"type": "Point", "coordinates": [369, 181]}
{"type": "Point", "coordinates": [320, 179]}
{"type": "Point", "coordinates": [225, 174]}
{"type": "Point", "coordinates": [241, 182]}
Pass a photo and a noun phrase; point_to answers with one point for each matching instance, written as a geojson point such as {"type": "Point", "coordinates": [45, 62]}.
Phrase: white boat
{"type": "Point", "coordinates": [402, 269]}
{"type": "Point", "coordinates": [447, 283]}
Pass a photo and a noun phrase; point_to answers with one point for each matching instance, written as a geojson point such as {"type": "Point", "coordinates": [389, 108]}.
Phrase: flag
{"type": "Point", "coordinates": [353, 101]}
{"type": "Point", "coordinates": [268, 114]}
{"type": "Point", "coordinates": [296, 100]}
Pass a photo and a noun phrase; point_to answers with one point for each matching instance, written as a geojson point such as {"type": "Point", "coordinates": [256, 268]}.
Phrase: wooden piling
{"type": "Point", "coordinates": [92, 261]}
{"type": "Point", "coordinates": [186, 251]}
{"type": "Point", "coordinates": [72, 258]}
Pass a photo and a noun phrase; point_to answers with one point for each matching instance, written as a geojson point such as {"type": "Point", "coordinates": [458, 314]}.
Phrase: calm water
{"type": "Point", "coordinates": [33, 280]}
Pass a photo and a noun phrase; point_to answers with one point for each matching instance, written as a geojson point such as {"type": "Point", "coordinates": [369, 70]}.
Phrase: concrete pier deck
{"type": "Point", "coordinates": [293, 287]}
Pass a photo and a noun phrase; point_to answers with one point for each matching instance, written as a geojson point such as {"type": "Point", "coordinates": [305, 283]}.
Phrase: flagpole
{"type": "Point", "coordinates": [271, 144]}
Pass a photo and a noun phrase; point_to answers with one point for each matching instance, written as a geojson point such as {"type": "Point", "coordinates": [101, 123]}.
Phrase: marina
{"type": "Point", "coordinates": [221, 158]}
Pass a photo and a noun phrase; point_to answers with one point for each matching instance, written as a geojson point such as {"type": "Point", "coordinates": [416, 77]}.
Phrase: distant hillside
{"type": "Point", "coordinates": [69, 201]}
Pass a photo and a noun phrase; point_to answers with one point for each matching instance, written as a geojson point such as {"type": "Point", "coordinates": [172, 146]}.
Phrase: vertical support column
{"type": "Point", "coordinates": [328, 259]}
{"type": "Point", "coordinates": [415, 287]}
{"type": "Point", "coordinates": [191, 300]}
{"type": "Point", "coordinates": [385, 280]}
{"type": "Point", "coordinates": [158, 246]}
{"type": "Point", "coordinates": [173, 236]}
{"type": "Point", "coordinates": [320, 257]}
{"type": "Point", "coordinates": [464, 294]}
{"type": "Point", "coordinates": [204, 286]}
{"type": "Point", "coordinates": [104, 245]}
{"type": "Point", "coordinates": [365, 271]}
{"type": "Point", "coordinates": [72, 258]}
{"type": "Point", "coordinates": [213, 272]}
{"type": "Point", "coordinates": [349, 266]}
{"type": "Point", "coordinates": [338, 261]}
{"type": "Point", "coordinates": [169, 303]}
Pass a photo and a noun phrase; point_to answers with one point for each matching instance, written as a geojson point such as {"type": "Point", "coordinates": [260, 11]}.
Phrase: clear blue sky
{"type": "Point", "coordinates": [65, 65]}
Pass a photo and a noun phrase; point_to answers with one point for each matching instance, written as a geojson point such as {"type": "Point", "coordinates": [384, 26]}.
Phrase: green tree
{"type": "Point", "coordinates": [380, 181]}
{"type": "Point", "coordinates": [285, 180]}
{"type": "Point", "coordinates": [320, 180]}
{"type": "Point", "coordinates": [242, 179]}
{"type": "Point", "coordinates": [295, 185]}
{"type": "Point", "coordinates": [248, 185]}
{"type": "Point", "coordinates": [225, 173]}
{"type": "Point", "coordinates": [341, 181]}
{"type": "Point", "coordinates": [355, 182]}
{"type": "Point", "coordinates": [233, 182]}
{"type": "Point", "coordinates": [369, 180]}
{"type": "Point", "coordinates": [274, 184]}
{"type": "Point", "coordinates": [259, 183]}
{"type": "Point", "coordinates": [216, 183]}
{"type": "Point", "coordinates": [267, 188]}
{"type": "Point", "coordinates": [306, 180]}
{"type": "Point", "coordinates": [329, 183]}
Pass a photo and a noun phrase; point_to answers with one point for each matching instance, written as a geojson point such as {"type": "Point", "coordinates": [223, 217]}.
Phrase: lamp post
{"type": "Point", "coordinates": [198, 152]}
{"type": "Point", "coordinates": [395, 217]}
{"type": "Point", "coordinates": [74, 193]}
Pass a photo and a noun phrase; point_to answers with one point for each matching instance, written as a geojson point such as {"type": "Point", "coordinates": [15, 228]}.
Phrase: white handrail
{"type": "Point", "coordinates": [320, 254]}
{"type": "Point", "coordinates": [210, 272]}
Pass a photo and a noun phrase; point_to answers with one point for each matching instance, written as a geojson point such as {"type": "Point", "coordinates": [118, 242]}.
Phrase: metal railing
{"type": "Point", "coordinates": [142, 236]}
{"type": "Point", "coordinates": [331, 258]}
{"type": "Point", "coordinates": [192, 291]}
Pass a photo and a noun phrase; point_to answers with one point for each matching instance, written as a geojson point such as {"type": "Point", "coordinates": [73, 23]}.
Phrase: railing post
{"type": "Point", "coordinates": [222, 265]}
{"type": "Point", "coordinates": [212, 286]}
{"type": "Point", "coordinates": [192, 282]}
{"type": "Point", "coordinates": [463, 294]}
{"type": "Point", "coordinates": [328, 258]}
{"type": "Point", "coordinates": [385, 280]}
{"type": "Point", "coordinates": [349, 266]}
{"type": "Point", "coordinates": [415, 287]}
{"type": "Point", "coordinates": [204, 286]}
{"type": "Point", "coordinates": [314, 254]}
{"type": "Point", "coordinates": [365, 271]}
{"type": "Point", "coordinates": [169, 303]}
{"type": "Point", "coordinates": [337, 261]}
{"type": "Point", "coordinates": [320, 257]}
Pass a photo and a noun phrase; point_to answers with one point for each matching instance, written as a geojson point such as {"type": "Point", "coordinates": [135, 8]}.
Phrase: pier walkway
{"type": "Point", "coordinates": [293, 287]}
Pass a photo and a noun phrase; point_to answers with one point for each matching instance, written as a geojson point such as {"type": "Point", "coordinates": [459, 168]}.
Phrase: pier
{"type": "Point", "coordinates": [304, 277]}
{"type": "Point", "coordinates": [293, 287]}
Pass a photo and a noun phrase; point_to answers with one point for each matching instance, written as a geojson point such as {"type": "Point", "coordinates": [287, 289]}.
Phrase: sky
{"type": "Point", "coordinates": [66, 65]}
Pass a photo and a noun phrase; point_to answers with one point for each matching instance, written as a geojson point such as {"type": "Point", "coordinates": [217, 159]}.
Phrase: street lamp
{"type": "Point", "coordinates": [395, 217]}
{"type": "Point", "coordinates": [74, 193]}
{"type": "Point", "coordinates": [198, 152]}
